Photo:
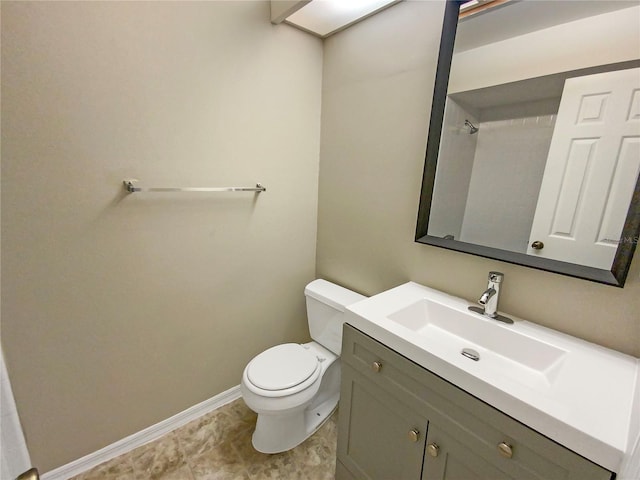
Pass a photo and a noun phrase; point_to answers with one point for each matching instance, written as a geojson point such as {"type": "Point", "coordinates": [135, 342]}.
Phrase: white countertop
{"type": "Point", "coordinates": [592, 406]}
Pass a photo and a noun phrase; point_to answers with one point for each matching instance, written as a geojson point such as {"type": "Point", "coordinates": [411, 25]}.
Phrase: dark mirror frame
{"type": "Point", "coordinates": [630, 233]}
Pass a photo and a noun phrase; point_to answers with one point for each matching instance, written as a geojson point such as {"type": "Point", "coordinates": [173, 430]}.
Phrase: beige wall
{"type": "Point", "coordinates": [119, 310]}
{"type": "Point", "coordinates": [377, 87]}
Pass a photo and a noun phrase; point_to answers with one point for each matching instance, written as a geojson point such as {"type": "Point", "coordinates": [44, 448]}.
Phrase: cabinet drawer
{"type": "Point", "coordinates": [474, 425]}
{"type": "Point", "coordinates": [386, 368]}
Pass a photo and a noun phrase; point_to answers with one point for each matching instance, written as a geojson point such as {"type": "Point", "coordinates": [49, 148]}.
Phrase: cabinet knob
{"type": "Point", "coordinates": [414, 435]}
{"type": "Point", "coordinates": [505, 449]}
{"type": "Point", "coordinates": [376, 366]}
{"type": "Point", "coordinates": [433, 449]}
{"type": "Point", "coordinates": [537, 245]}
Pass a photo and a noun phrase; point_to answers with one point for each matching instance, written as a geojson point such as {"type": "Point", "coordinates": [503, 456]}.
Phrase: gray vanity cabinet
{"type": "Point", "coordinates": [399, 421]}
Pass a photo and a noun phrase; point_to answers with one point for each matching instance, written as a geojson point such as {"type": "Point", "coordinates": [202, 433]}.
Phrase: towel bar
{"type": "Point", "coordinates": [131, 187]}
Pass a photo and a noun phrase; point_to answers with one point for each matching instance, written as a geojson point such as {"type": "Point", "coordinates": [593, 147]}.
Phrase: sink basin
{"type": "Point", "coordinates": [452, 329]}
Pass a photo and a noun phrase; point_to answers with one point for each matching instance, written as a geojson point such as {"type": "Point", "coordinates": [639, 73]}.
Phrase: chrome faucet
{"type": "Point", "coordinates": [489, 299]}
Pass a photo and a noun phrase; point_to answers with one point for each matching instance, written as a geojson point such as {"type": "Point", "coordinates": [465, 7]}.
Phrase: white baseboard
{"type": "Point", "coordinates": [142, 437]}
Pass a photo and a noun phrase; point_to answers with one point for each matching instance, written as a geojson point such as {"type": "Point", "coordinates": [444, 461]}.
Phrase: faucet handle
{"type": "Point", "coordinates": [496, 277]}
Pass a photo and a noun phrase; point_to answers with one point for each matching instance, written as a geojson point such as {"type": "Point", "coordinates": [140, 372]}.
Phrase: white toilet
{"type": "Point", "coordinates": [294, 388]}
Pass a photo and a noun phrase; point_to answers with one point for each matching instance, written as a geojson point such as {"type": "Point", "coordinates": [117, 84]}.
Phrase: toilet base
{"type": "Point", "coordinates": [285, 430]}
{"type": "Point", "coordinates": [279, 433]}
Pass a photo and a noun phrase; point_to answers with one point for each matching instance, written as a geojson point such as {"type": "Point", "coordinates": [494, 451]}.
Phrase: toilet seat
{"type": "Point", "coordinates": [282, 370]}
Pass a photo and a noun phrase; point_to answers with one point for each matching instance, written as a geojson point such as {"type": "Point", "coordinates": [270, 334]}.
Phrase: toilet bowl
{"type": "Point", "coordinates": [293, 387]}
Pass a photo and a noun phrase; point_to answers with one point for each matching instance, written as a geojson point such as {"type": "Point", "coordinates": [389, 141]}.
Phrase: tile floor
{"type": "Point", "coordinates": [217, 446]}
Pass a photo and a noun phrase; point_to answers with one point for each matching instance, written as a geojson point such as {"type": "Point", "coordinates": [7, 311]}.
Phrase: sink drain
{"type": "Point", "coordinates": [470, 353]}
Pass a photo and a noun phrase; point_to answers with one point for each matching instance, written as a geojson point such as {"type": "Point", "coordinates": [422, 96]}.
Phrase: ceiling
{"type": "Point", "coordinates": [519, 17]}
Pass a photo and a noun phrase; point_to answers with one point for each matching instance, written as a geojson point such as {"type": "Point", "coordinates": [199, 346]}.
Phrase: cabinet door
{"type": "Point", "coordinates": [379, 438]}
{"type": "Point", "coordinates": [449, 459]}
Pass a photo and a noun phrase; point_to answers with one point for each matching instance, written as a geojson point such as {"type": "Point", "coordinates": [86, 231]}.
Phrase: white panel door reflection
{"type": "Point", "coordinates": [591, 170]}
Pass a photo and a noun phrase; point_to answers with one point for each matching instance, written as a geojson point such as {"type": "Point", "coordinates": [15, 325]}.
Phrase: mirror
{"type": "Point", "coordinates": [533, 151]}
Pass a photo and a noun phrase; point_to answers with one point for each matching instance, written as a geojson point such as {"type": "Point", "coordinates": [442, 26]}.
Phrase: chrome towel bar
{"type": "Point", "coordinates": [131, 187]}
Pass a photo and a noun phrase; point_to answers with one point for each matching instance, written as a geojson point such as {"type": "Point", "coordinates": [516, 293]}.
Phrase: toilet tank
{"type": "Point", "coordinates": [326, 302]}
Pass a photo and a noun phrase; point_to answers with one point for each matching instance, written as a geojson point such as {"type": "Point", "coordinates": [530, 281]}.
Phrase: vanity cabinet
{"type": "Point", "coordinates": [398, 421]}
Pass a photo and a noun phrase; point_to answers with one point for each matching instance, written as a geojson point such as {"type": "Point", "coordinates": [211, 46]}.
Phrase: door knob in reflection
{"type": "Point", "coordinates": [537, 245]}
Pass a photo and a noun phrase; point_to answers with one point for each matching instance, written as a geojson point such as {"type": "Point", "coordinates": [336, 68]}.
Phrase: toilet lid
{"type": "Point", "coordinates": [280, 367]}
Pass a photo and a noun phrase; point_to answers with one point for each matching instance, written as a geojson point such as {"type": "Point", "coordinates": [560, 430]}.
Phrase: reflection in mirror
{"type": "Point", "coordinates": [533, 154]}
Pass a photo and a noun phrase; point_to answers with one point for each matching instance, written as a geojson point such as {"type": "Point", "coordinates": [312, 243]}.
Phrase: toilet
{"type": "Point", "coordinates": [294, 387]}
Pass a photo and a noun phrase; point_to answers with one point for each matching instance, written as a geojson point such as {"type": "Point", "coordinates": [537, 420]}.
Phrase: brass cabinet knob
{"type": "Point", "coordinates": [537, 245]}
{"type": "Point", "coordinates": [31, 474]}
{"type": "Point", "coordinates": [505, 449]}
{"type": "Point", "coordinates": [414, 435]}
{"type": "Point", "coordinates": [376, 366]}
{"type": "Point", "coordinates": [433, 449]}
